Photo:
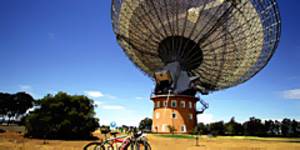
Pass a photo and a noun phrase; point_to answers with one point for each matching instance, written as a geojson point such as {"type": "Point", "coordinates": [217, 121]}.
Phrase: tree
{"type": "Point", "coordinates": [295, 128]}
{"type": "Point", "coordinates": [145, 124]}
{"type": "Point", "coordinates": [16, 105]}
{"type": "Point", "coordinates": [277, 129]}
{"type": "Point", "coordinates": [233, 128]}
{"type": "Point", "coordinates": [62, 117]}
{"type": "Point", "coordinates": [22, 102]}
{"type": "Point", "coordinates": [254, 127]}
{"type": "Point", "coordinates": [217, 128]}
{"type": "Point", "coordinates": [270, 128]}
{"type": "Point", "coordinates": [4, 107]}
{"type": "Point", "coordinates": [286, 127]}
{"type": "Point", "coordinates": [201, 129]}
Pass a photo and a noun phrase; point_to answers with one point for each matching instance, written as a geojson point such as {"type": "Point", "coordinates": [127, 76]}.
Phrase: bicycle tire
{"type": "Point", "coordinates": [94, 146]}
{"type": "Point", "coordinates": [107, 146]}
{"type": "Point", "coordinates": [145, 145]}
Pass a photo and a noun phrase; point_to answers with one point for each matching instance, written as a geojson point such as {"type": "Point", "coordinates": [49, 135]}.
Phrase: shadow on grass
{"type": "Point", "coordinates": [86, 138]}
{"type": "Point", "coordinates": [298, 142]}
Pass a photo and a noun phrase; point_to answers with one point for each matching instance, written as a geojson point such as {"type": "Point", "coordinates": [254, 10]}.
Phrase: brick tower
{"type": "Point", "coordinates": [178, 111]}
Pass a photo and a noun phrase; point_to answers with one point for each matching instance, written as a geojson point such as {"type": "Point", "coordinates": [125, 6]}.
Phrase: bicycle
{"type": "Point", "coordinates": [135, 142]}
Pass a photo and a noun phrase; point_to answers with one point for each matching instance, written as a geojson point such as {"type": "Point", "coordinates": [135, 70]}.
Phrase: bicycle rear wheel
{"type": "Point", "coordinates": [94, 146]}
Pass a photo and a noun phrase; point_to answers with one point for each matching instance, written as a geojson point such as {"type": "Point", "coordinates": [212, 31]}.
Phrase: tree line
{"type": "Point", "coordinates": [252, 127]}
{"type": "Point", "coordinates": [60, 116]}
{"type": "Point", "coordinates": [64, 116]}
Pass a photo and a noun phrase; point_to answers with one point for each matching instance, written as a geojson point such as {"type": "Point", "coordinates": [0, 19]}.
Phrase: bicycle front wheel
{"type": "Point", "coordinates": [107, 146]}
{"type": "Point", "coordinates": [142, 145]}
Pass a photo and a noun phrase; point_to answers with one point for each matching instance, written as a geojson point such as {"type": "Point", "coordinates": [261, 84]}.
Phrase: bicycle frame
{"type": "Point", "coordinates": [124, 143]}
{"type": "Point", "coordinates": [113, 142]}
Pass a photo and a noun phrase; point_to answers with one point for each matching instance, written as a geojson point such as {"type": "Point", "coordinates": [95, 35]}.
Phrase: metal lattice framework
{"type": "Point", "coordinates": [223, 42]}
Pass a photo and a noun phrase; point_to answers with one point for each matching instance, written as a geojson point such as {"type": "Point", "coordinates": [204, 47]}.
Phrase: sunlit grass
{"type": "Point", "coordinates": [186, 136]}
{"type": "Point", "coordinates": [260, 138]}
{"type": "Point", "coordinates": [177, 136]}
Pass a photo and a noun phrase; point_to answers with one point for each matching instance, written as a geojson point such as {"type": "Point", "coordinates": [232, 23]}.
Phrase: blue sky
{"type": "Point", "coordinates": [48, 46]}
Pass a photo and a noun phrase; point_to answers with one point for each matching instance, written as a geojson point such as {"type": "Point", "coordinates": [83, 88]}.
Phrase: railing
{"type": "Point", "coordinates": [204, 104]}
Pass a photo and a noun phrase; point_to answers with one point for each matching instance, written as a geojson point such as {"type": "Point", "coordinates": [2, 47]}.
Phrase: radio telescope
{"type": "Point", "coordinates": [191, 46]}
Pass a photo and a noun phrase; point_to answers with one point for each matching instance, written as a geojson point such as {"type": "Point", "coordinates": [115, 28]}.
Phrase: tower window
{"type": "Point", "coordinates": [165, 104]}
{"type": "Point", "coordinates": [174, 116]}
{"type": "Point", "coordinates": [182, 104]}
{"type": "Point", "coordinates": [190, 105]}
{"type": "Point", "coordinates": [173, 103]}
{"type": "Point", "coordinates": [164, 127]}
{"type": "Point", "coordinates": [191, 116]}
{"type": "Point", "coordinates": [183, 128]}
{"type": "Point", "coordinates": [157, 115]}
{"type": "Point", "coordinates": [158, 104]}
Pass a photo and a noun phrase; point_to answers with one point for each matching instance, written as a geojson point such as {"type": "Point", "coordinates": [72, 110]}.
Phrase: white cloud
{"type": "Point", "coordinates": [112, 107]}
{"type": "Point", "coordinates": [110, 96]}
{"type": "Point", "coordinates": [139, 98]}
{"type": "Point", "coordinates": [94, 94]}
{"type": "Point", "coordinates": [105, 106]}
{"type": "Point", "coordinates": [291, 94]}
{"type": "Point", "coordinates": [121, 117]}
{"type": "Point", "coordinates": [205, 118]}
{"type": "Point", "coordinates": [97, 94]}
